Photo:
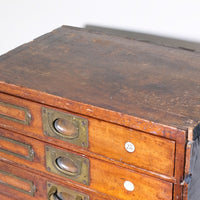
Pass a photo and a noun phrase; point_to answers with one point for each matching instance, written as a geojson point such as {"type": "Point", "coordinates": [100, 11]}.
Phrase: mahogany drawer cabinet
{"type": "Point", "coordinates": [87, 116]}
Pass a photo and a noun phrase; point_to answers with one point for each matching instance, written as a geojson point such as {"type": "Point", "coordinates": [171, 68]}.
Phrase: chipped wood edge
{"type": "Point", "coordinates": [187, 162]}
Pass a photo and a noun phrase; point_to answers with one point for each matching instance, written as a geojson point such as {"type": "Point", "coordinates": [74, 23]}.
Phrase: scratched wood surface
{"type": "Point", "coordinates": [139, 79]}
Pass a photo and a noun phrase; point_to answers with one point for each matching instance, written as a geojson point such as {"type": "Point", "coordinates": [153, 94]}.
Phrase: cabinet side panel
{"type": "Point", "coordinates": [193, 188]}
{"type": "Point", "coordinates": [193, 178]}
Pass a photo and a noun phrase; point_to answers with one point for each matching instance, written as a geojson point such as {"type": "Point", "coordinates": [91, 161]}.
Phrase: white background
{"type": "Point", "coordinates": [23, 20]}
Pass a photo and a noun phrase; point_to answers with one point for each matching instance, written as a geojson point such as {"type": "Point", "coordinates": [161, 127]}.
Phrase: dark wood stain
{"type": "Point", "coordinates": [193, 187]}
{"type": "Point", "coordinates": [145, 80]}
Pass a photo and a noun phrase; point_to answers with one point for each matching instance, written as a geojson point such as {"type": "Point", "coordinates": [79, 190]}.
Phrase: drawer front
{"type": "Point", "coordinates": [16, 183]}
{"type": "Point", "coordinates": [101, 176]}
{"type": "Point", "coordinates": [114, 180]}
{"type": "Point", "coordinates": [4, 197]}
{"type": "Point", "coordinates": [125, 145]}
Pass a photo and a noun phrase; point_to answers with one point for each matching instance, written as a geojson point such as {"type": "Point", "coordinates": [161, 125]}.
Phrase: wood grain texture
{"type": "Point", "coordinates": [110, 179]}
{"type": "Point", "coordinates": [115, 176]}
{"type": "Point", "coordinates": [14, 182]}
{"type": "Point", "coordinates": [80, 109]}
{"type": "Point", "coordinates": [40, 183]}
{"type": "Point", "coordinates": [130, 77]}
{"type": "Point", "coordinates": [12, 112]}
{"type": "Point", "coordinates": [179, 168]}
{"type": "Point", "coordinates": [151, 153]}
{"type": "Point", "coordinates": [4, 197]}
{"type": "Point", "coordinates": [11, 146]}
{"type": "Point", "coordinates": [37, 163]}
{"type": "Point", "coordinates": [92, 111]}
{"type": "Point", "coordinates": [154, 39]}
{"type": "Point", "coordinates": [108, 140]}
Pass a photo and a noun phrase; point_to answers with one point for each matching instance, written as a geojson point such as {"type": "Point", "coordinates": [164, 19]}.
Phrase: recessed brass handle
{"type": "Point", "coordinates": [52, 192]}
{"type": "Point", "coordinates": [53, 195]}
{"type": "Point", "coordinates": [66, 128]}
{"type": "Point", "coordinates": [67, 165]}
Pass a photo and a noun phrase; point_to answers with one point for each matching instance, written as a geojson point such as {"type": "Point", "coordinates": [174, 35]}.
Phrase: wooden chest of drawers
{"type": "Point", "coordinates": [85, 115]}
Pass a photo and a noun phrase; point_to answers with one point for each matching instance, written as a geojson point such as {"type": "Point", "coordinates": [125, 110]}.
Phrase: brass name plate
{"type": "Point", "coordinates": [55, 191]}
{"type": "Point", "coordinates": [66, 164]}
{"type": "Point", "coordinates": [17, 183]}
{"type": "Point", "coordinates": [66, 127]}
{"type": "Point", "coordinates": [24, 151]}
{"type": "Point", "coordinates": [15, 113]}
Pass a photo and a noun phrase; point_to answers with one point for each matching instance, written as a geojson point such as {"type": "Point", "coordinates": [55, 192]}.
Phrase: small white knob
{"type": "Point", "coordinates": [129, 186]}
{"type": "Point", "coordinates": [129, 146]}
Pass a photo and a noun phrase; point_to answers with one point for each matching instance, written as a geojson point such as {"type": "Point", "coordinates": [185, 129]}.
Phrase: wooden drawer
{"type": "Point", "coordinates": [19, 154]}
{"type": "Point", "coordinates": [151, 153]}
{"type": "Point", "coordinates": [17, 183]}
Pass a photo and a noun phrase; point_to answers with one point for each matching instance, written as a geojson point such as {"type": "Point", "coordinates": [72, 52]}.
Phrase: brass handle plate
{"type": "Point", "coordinates": [66, 127]}
{"type": "Point", "coordinates": [57, 192]}
{"type": "Point", "coordinates": [67, 164]}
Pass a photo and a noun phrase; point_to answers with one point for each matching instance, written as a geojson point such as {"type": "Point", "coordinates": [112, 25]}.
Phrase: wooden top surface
{"type": "Point", "coordinates": [140, 79]}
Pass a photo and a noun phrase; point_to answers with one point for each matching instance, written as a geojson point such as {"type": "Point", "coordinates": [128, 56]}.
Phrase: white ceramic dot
{"type": "Point", "coordinates": [129, 186]}
{"type": "Point", "coordinates": [129, 146]}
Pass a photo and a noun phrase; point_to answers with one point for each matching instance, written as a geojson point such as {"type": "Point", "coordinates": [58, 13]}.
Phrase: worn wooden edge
{"type": "Point", "coordinates": [145, 37]}
{"type": "Point", "coordinates": [93, 111]}
{"type": "Point", "coordinates": [179, 164]}
{"type": "Point", "coordinates": [192, 164]}
{"type": "Point", "coordinates": [188, 150]}
{"type": "Point", "coordinates": [191, 138]}
{"type": "Point", "coordinates": [187, 162]}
